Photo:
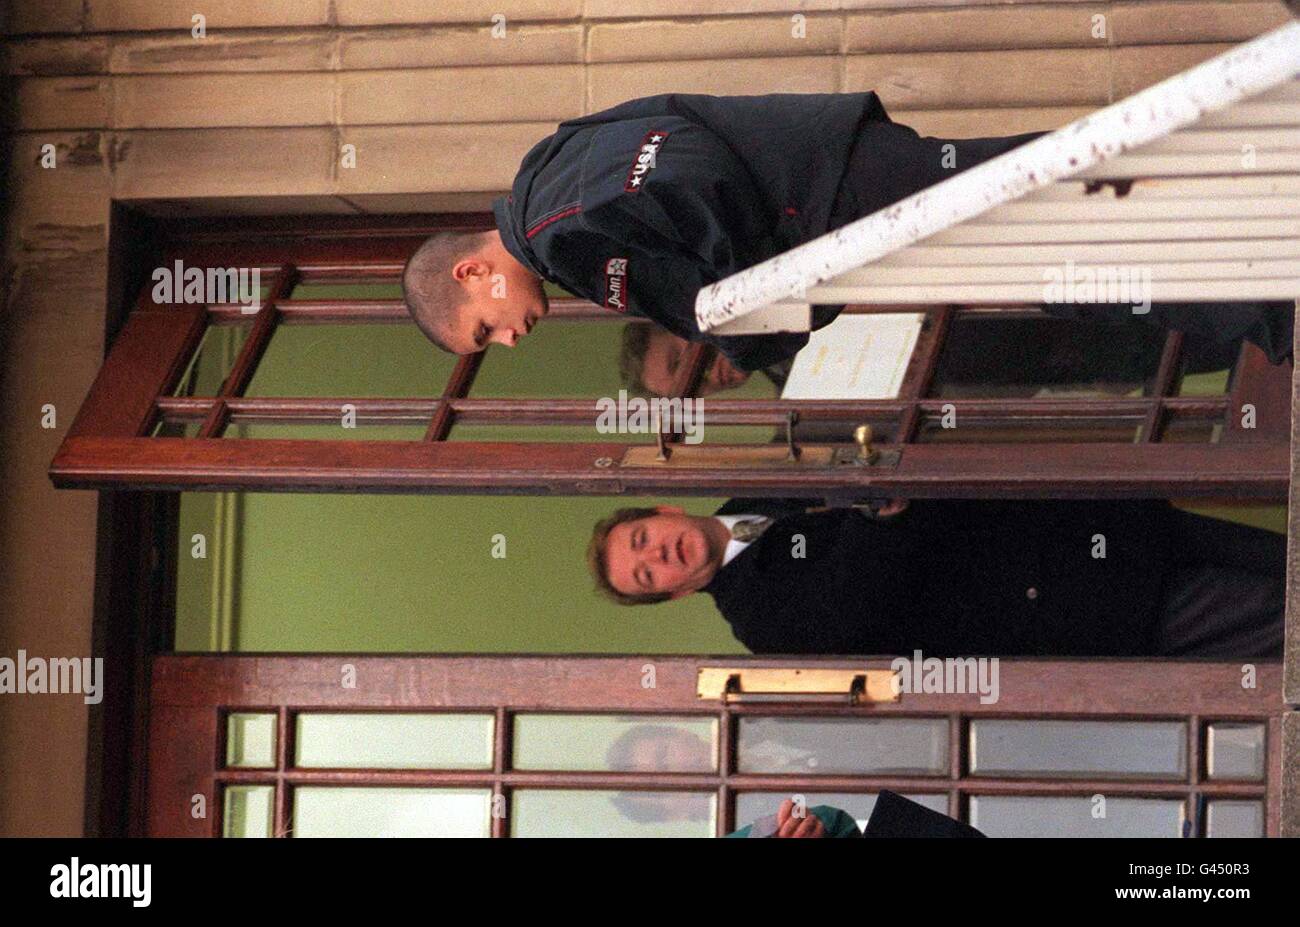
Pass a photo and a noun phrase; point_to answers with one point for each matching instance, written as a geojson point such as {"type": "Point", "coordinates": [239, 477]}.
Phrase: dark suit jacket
{"type": "Point", "coordinates": [950, 577]}
{"type": "Point", "coordinates": [896, 816]}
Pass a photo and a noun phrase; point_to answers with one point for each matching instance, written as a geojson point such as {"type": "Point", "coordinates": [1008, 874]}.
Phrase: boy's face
{"type": "Point", "coordinates": [504, 302]}
{"type": "Point", "coordinates": [663, 355]}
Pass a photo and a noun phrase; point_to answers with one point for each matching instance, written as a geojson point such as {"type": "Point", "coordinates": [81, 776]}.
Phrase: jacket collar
{"type": "Point", "coordinates": [509, 218]}
{"type": "Point", "coordinates": [732, 573]}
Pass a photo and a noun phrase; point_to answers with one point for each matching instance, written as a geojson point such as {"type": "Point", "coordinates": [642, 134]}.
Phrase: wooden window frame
{"type": "Point", "coordinates": [108, 445]}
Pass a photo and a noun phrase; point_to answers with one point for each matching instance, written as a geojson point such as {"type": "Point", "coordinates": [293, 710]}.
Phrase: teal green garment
{"type": "Point", "coordinates": [837, 823]}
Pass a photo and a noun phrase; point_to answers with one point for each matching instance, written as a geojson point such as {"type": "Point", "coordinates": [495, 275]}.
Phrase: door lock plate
{"type": "Point", "coordinates": [759, 457]}
{"type": "Point", "coordinates": [723, 457]}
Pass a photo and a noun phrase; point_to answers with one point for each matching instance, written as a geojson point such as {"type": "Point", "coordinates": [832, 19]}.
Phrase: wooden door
{"type": "Point", "coordinates": [693, 746]}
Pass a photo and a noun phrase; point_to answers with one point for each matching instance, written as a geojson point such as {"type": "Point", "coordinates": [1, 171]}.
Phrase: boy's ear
{"type": "Point", "coordinates": [466, 267]}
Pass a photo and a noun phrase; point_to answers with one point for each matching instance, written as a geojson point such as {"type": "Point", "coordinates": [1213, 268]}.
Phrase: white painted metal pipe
{"type": "Point", "coordinates": [1242, 72]}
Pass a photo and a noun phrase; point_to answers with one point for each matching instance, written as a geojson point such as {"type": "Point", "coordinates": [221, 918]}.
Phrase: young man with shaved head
{"type": "Point", "coordinates": [639, 206]}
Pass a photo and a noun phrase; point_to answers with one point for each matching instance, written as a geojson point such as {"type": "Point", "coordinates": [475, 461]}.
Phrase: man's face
{"type": "Point", "coordinates": [669, 552]}
{"type": "Point", "coordinates": [504, 302]}
{"type": "Point", "coordinates": [663, 355]}
{"type": "Point", "coordinates": [672, 751]}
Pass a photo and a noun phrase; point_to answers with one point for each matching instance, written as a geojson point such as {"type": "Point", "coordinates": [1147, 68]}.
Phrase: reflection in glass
{"type": "Point", "coordinates": [863, 356]}
{"type": "Point", "coordinates": [250, 740]}
{"type": "Point", "coordinates": [386, 740]}
{"type": "Point", "coordinates": [355, 360]}
{"type": "Point", "coordinates": [1038, 357]}
{"type": "Point", "coordinates": [391, 812]}
{"type": "Point", "coordinates": [600, 813]}
{"type": "Point", "coordinates": [248, 810]}
{"type": "Point", "coordinates": [1066, 749]}
{"type": "Point", "coordinates": [823, 746]}
{"type": "Point", "coordinates": [615, 743]}
{"type": "Point", "coordinates": [213, 360]}
{"type": "Point", "coordinates": [750, 806]}
{"type": "Point", "coordinates": [1235, 751]}
{"type": "Point", "coordinates": [1076, 816]}
{"type": "Point", "coordinates": [1234, 819]}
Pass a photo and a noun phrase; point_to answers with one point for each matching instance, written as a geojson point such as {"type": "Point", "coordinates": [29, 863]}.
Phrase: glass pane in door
{"type": "Point", "coordinates": [250, 740]}
{"type": "Point", "coordinates": [849, 746]}
{"type": "Point", "coordinates": [1074, 749]}
{"type": "Point", "coordinates": [1076, 816]}
{"type": "Point", "coordinates": [213, 360]}
{"type": "Point", "coordinates": [248, 811]}
{"type": "Point", "coordinates": [1034, 356]}
{"type": "Point", "coordinates": [608, 813]}
{"type": "Point", "coordinates": [616, 743]}
{"type": "Point", "coordinates": [350, 361]}
{"type": "Point", "coordinates": [1235, 751]}
{"type": "Point", "coordinates": [1234, 819]}
{"type": "Point", "coordinates": [328, 811]}
{"type": "Point", "coordinates": [394, 741]}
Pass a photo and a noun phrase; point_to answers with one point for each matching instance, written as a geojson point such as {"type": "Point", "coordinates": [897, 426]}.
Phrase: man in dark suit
{"type": "Point", "coordinates": [960, 577]}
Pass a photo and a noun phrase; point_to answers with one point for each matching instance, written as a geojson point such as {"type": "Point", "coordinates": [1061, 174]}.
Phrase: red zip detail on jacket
{"type": "Point", "coordinates": [555, 218]}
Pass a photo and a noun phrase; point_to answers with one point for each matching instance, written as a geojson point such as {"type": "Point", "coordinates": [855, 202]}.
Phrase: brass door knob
{"type": "Point", "coordinates": [862, 437]}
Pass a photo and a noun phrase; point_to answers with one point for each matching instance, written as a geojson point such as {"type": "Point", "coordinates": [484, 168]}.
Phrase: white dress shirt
{"type": "Point", "coordinates": [734, 547]}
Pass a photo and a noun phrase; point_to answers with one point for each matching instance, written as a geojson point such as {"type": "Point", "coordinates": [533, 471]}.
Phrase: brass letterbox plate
{"type": "Point", "coordinates": [853, 686]}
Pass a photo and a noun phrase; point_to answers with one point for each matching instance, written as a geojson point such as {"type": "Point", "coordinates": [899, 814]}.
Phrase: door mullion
{"type": "Point", "coordinates": [726, 812]}
{"type": "Point", "coordinates": [501, 740]}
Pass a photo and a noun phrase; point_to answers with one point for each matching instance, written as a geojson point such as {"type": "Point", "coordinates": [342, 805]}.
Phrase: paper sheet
{"type": "Point", "coordinates": [855, 357]}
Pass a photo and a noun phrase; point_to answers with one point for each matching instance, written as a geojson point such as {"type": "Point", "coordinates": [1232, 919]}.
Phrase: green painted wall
{"type": "Point", "coordinates": [416, 573]}
{"type": "Point", "coordinates": [330, 572]}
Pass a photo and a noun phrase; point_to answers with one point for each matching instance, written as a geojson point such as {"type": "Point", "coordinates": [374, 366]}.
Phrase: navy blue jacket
{"type": "Point", "coordinates": [639, 206]}
{"type": "Point", "coordinates": [952, 577]}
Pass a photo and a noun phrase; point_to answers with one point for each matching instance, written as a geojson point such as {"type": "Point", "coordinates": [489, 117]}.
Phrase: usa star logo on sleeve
{"type": "Point", "coordinates": [645, 160]}
{"type": "Point", "coordinates": [616, 284]}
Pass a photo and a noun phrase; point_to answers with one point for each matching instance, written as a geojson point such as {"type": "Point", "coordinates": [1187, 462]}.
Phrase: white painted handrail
{"type": "Point", "coordinates": [1153, 113]}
